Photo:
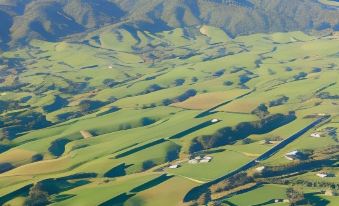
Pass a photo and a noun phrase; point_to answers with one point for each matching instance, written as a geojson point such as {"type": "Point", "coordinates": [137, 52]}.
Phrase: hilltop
{"type": "Point", "coordinates": [54, 20]}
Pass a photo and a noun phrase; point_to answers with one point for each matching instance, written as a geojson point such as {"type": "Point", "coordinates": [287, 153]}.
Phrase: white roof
{"type": "Point", "coordinates": [259, 169]}
{"type": "Point", "coordinates": [193, 161]}
{"type": "Point", "coordinates": [214, 120]}
{"type": "Point", "coordinates": [208, 158]}
{"type": "Point", "coordinates": [322, 175]}
{"type": "Point", "coordinates": [316, 134]}
{"type": "Point", "coordinates": [198, 158]}
{"type": "Point", "coordinates": [295, 152]}
{"type": "Point", "coordinates": [173, 166]}
{"type": "Point", "coordinates": [204, 161]}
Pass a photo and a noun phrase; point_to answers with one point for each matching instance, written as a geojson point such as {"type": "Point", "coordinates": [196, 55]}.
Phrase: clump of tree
{"type": "Point", "coordinates": [110, 83]}
{"type": "Point", "coordinates": [327, 95]}
{"type": "Point", "coordinates": [57, 104]}
{"type": "Point", "coordinates": [232, 182]}
{"type": "Point", "coordinates": [228, 83]}
{"type": "Point", "coordinates": [179, 82]}
{"type": "Point", "coordinates": [85, 106]}
{"type": "Point", "coordinates": [279, 101]}
{"type": "Point", "coordinates": [117, 171]}
{"type": "Point", "coordinates": [9, 105]}
{"type": "Point", "coordinates": [57, 147]}
{"type": "Point", "coordinates": [194, 79]}
{"type": "Point", "coordinates": [18, 122]}
{"type": "Point", "coordinates": [184, 96]}
{"type": "Point", "coordinates": [229, 135]}
{"type": "Point", "coordinates": [37, 157]}
{"type": "Point", "coordinates": [288, 69]}
{"type": "Point", "coordinates": [261, 111]}
{"type": "Point", "coordinates": [187, 94]}
{"type": "Point", "coordinates": [147, 121]}
{"type": "Point", "coordinates": [219, 73]}
{"type": "Point", "coordinates": [243, 79]}
{"type": "Point", "coordinates": [316, 70]}
{"type": "Point", "coordinates": [300, 75]}
{"type": "Point", "coordinates": [295, 195]}
{"type": "Point", "coordinates": [4, 167]}
{"type": "Point", "coordinates": [148, 164]}
{"type": "Point", "coordinates": [173, 153]}
{"type": "Point", "coordinates": [205, 198]}
{"type": "Point", "coordinates": [153, 88]}
{"type": "Point", "coordinates": [296, 166]}
{"type": "Point", "coordinates": [37, 197]}
{"type": "Point", "coordinates": [247, 140]}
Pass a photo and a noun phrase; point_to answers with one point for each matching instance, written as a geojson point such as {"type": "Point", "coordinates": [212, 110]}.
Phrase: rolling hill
{"type": "Point", "coordinates": [169, 102]}
{"type": "Point", "coordinates": [54, 20]}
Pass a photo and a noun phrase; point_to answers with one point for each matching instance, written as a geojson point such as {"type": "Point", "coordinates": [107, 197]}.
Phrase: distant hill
{"type": "Point", "coordinates": [23, 20]}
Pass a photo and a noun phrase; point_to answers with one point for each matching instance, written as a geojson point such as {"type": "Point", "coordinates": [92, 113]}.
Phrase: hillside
{"type": "Point", "coordinates": [99, 120]}
{"type": "Point", "coordinates": [169, 102]}
{"type": "Point", "coordinates": [54, 20]}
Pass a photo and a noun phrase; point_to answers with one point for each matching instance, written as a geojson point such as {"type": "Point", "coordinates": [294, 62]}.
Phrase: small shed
{"type": "Point", "coordinates": [208, 158]}
{"type": "Point", "coordinates": [193, 161]}
{"type": "Point", "coordinates": [174, 166]}
{"type": "Point", "coordinates": [292, 155]}
{"type": "Point", "coordinates": [322, 174]}
{"type": "Point", "coordinates": [260, 169]}
{"type": "Point", "coordinates": [204, 161]}
{"type": "Point", "coordinates": [316, 134]}
{"type": "Point", "coordinates": [197, 158]}
{"type": "Point", "coordinates": [215, 120]}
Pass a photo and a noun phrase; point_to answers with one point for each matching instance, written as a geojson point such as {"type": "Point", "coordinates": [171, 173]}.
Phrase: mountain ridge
{"type": "Point", "coordinates": [53, 20]}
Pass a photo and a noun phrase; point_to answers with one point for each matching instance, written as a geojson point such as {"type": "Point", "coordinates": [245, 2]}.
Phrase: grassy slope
{"type": "Point", "coordinates": [118, 132]}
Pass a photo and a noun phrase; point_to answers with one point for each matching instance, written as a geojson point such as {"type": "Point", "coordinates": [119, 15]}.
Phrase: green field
{"type": "Point", "coordinates": [145, 97]}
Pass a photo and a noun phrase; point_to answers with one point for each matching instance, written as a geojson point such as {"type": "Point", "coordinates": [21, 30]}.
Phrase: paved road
{"type": "Point", "coordinates": [197, 191]}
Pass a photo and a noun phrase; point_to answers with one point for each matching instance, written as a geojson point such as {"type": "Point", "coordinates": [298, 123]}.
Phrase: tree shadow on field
{"type": "Point", "coordinates": [151, 183]}
{"type": "Point", "coordinates": [142, 147]}
{"type": "Point", "coordinates": [19, 192]}
{"type": "Point", "coordinates": [313, 199]}
{"type": "Point", "coordinates": [191, 130]}
{"type": "Point", "coordinates": [118, 200]}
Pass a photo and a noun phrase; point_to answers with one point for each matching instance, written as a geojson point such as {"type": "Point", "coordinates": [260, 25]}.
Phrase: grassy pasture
{"type": "Point", "coordinates": [120, 68]}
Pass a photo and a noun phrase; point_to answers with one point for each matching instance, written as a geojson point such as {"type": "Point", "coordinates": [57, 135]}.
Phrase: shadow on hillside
{"type": "Point", "coordinates": [137, 149]}
{"type": "Point", "coordinates": [118, 200]}
{"type": "Point", "coordinates": [151, 183]}
{"type": "Point", "coordinates": [191, 130]}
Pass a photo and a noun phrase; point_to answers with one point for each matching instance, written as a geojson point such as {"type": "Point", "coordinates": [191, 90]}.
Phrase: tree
{"type": "Point", "coordinates": [148, 164]}
{"type": "Point", "coordinates": [37, 197]}
{"type": "Point", "coordinates": [261, 111]}
{"type": "Point", "coordinates": [205, 198]}
{"type": "Point", "coordinates": [294, 195]}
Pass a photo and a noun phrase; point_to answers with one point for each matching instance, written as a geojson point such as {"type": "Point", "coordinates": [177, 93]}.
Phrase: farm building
{"type": "Point", "coordinates": [329, 193]}
{"type": "Point", "coordinates": [316, 134]}
{"type": "Point", "coordinates": [322, 174]}
{"type": "Point", "coordinates": [260, 169]}
{"type": "Point", "coordinates": [204, 161]}
{"type": "Point", "coordinates": [215, 120]}
{"type": "Point", "coordinates": [174, 166]}
{"type": "Point", "coordinates": [208, 158]}
{"type": "Point", "coordinates": [325, 174]}
{"type": "Point", "coordinates": [294, 155]}
{"type": "Point", "coordinates": [197, 158]}
{"type": "Point", "coordinates": [193, 161]}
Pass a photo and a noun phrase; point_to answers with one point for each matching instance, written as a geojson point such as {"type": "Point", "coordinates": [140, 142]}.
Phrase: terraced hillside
{"type": "Point", "coordinates": [120, 116]}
